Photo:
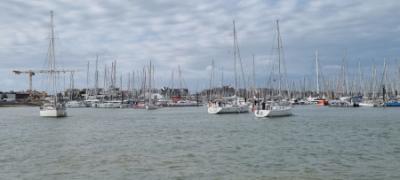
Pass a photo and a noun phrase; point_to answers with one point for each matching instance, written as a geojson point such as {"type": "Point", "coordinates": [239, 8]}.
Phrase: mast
{"type": "Point", "coordinates": [149, 82]}
{"type": "Point", "coordinates": [279, 59]}
{"type": "Point", "coordinates": [222, 76]}
{"type": "Point", "coordinates": [234, 56]}
{"type": "Point", "coordinates": [171, 93]}
{"type": "Point", "coordinates": [144, 83]}
{"type": "Point", "coordinates": [384, 80]}
{"type": "Point", "coordinates": [343, 77]}
{"type": "Point", "coordinates": [128, 86]}
{"type": "Point", "coordinates": [105, 83]}
{"type": "Point", "coordinates": [373, 83]}
{"type": "Point", "coordinates": [122, 93]}
{"type": "Point", "coordinates": [317, 70]}
{"type": "Point", "coordinates": [133, 84]}
{"type": "Point", "coordinates": [96, 77]}
{"type": "Point", "coordinates": [71, 85]}
{"type": "Point", "coordinates": [222, 82]}
{"type": "Point", "coordinates": [153, 75]}
{"type": "Point", "coordinates": [211, 79]}
{"type": "Point", "coordinates": [180, 81]}
{"type": "Point", "coordinates": [52, 58]}
{"type": "Point", "coordinates": [360, 89]}
{"type": "Point", "coordinates": [254, 77]}
{"type": "Point", "coordinates": [87, 79]}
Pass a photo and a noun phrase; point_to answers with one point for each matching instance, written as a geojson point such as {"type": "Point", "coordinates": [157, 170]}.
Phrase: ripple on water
{"type": "Point", "coordinates": [188, 143]}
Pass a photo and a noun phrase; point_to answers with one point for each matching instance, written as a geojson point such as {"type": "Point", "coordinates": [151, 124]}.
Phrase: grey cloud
{"type": "Point", "coordinates": [191, 33]}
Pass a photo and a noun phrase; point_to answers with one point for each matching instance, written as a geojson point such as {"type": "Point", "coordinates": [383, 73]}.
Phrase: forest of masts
{"type": "Point", "coordinates": [374, 83]}
{"type": "Point", "coordinates": [138, 84]}
{"type": "Point", "coordinates": [371, 83]}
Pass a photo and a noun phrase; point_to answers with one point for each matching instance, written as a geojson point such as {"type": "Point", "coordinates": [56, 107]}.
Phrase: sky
{"type": "Point", "coordinates": [190, 34]}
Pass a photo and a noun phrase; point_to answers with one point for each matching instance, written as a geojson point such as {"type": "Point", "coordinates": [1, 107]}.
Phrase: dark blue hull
{"type": "Point", "coordinates": [392, 104]}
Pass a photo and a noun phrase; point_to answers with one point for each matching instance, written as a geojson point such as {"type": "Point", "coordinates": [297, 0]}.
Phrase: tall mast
{"type": "Point", "coordinates": [360, 89]}
{"type": "Point", "coordinates": [254, 76]}
{"type": "Point", "coordinates": [235, 56]}
{"type": "Point", "coordinates": [384, 79]}
{"type": "Point", "coordinates": [51, 56]}
{"type": "Point", "coordinates": [237, 60]}
{"type": "Point", "coordinates": [317, 70]}
{"type": "Point", "coordinates": [343, 77]}
{"type": "Point", "coordinates": [279, 57]}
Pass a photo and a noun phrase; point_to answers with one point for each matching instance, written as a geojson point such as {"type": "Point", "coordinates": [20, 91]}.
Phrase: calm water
{"type": "Point", "coordinates": [188, 143]}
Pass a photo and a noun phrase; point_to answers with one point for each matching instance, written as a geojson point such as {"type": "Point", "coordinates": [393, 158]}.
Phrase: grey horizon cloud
{"type": "Point", "coordinates": [191, 33]}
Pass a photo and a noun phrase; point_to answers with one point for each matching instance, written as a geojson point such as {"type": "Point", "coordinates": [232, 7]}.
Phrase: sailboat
{"type": "Point", "coordinates": [372, 101]}
{"type": "Point", "coordinates": [54, 107]}
{"type": "Point", "coordinates": [234, 104]}
{"type": "Point", "coordinates": [150, 104]}
{"type": "Point", "coordinates": [321, 101]}
{"type": "Point", "coordinates": [275, 108]}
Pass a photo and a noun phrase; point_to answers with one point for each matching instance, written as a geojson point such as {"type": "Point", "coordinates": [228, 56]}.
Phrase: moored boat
{"type": "Point", "coordinates": [227, 107]}
{"type": "Point", "coordinates": [273, 110]}
{"type": "Point", "coordinates": [392, 104]}
{"type": "Point", "coordinates": [54, 107]}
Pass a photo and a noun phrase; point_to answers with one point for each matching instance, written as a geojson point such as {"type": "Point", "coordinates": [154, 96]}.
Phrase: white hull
{"type": "Point", "coordinates": [228, 109]}
{"type": "Point", "coordinates": [182, 104]}
{"type": "Point", "coordinates": [151, 107]}
{"type": "Point", "coordinates": [367, 105]}
{"type": "Point", "coordinates": [111, 105]}
{"type": "Point", "coordinates": [53, 112]}
{"type": "Point", "coordinates": [276, 111]}
{"type": "Point", "coordinates": [75, 104]}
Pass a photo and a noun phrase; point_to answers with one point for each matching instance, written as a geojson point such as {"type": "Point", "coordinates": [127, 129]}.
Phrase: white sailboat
{"type": "Point", "coordinates": [273, 110]}
{"type": "Point", "coordinates": [280, 108]}
{"type": "Point", "coordinates": [233, 104]}
{"type": "Point", "coordinates": [228, 106]}
{"type": "Point", "coordinates": [54, 107]}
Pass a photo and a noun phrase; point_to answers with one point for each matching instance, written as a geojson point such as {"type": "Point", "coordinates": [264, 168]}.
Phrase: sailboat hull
{"type": "Point", "coordinates": [228, 110]}
{"type": "Point", "coordinates": [53, 113]}
{"type": "Point", "coordinates": [367, 105]}
{"type": "Point", "coordinates": [151, 107]}
{"type": "Point", "coordinates": [278, 112]}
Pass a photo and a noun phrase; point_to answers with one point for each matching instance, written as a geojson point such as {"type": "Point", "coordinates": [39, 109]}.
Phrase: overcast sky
{"type": "Point", "coordinates": [191, 33]}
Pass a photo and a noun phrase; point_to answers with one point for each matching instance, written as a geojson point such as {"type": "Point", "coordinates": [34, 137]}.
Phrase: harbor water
{"type": "Point", "coordinates": [188, 143]}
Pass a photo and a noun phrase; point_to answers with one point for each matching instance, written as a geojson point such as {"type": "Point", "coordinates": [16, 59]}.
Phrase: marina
{"type": "Point", "coordinates": [199, 90]}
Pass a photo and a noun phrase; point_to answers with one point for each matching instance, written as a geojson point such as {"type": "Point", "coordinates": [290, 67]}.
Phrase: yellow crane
{"type": "Point", "coordinates": [33, 72]}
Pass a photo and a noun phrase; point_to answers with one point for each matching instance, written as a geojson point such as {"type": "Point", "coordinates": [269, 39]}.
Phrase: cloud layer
{"type": "Point", "coordinates": [192, 33]}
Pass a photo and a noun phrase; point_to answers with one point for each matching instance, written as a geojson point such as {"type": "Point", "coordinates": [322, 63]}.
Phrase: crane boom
{"type": "Point", "coordinates": [33, 72]}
